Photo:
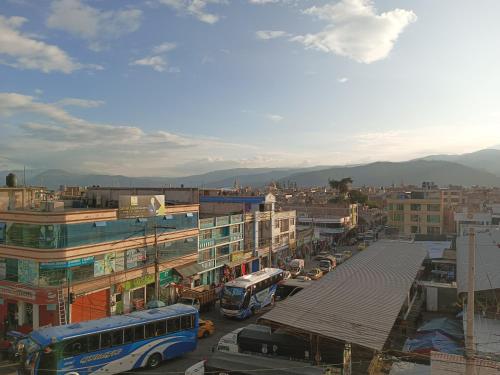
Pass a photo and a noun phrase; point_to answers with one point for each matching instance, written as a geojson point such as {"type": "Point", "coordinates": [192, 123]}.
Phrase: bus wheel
{"type": "Point", "coordinates": [154, 361]}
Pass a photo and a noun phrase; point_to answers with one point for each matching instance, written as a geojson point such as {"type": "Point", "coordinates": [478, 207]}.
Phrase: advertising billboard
{"type": "Point", "coordinates": [131, 206]}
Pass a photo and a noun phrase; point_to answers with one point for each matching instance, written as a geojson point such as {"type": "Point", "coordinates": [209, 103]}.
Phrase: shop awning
{"type": "Point", "coordinates": [189, 269]}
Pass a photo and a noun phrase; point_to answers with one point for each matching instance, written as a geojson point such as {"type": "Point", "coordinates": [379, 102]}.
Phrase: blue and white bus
{"type": "Point", "coordinates": [248, 294]}
{"type": "Point", "coordinates": [111, 345]}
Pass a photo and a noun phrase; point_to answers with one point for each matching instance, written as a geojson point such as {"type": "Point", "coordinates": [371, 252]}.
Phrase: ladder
{"type": "Point", "coordinates": [61, 306]}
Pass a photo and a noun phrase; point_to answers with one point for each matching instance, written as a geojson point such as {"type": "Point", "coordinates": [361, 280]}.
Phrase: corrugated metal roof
{"type": "Point", "coordinates": [359, 301]}
{"type": "Point", "coordinates": [487, 261]}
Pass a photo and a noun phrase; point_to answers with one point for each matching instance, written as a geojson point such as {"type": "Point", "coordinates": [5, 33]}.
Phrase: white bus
{"type": "Point", "coordinates": [247, 294]}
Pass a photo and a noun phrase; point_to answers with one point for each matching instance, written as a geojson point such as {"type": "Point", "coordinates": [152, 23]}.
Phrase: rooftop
{"type": "Point", "coordinates": [358, 302]}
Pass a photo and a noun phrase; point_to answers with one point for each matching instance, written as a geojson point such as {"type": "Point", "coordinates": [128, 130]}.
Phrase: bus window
{"type": "Point", "coordinates": [128, 335]}
{"type": "Point", "coordinates": [139, 333]}
{"type": "Point", "coordinates": [75, 347]}
{"type": "Point", "coordinates": [150, 330]}
{"type": "Point", "coordinates": [161, 328]}
{"type": "Point", "coordinates": [173, 325]}
{"type": "Point", "coordinates": [105, 340]}
{"type": "Point", "coordinates": [117, 337]}
{"type": "Point", "coordinates": [93, 343]}
{"type": "Point", "coordinates": [186, 322]}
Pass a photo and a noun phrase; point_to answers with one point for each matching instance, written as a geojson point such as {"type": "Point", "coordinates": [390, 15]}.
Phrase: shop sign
{"type": "Point", "coordinates": [167, 277]}
{"type": "Point", "coordinates": [67, 264]}
{"type": "Point", "coordinates": [237, 256]}
{"type": "Point", "coordinates": [31, 295]}
{"type": "Point", "coordinates": [27, 271]}
{"type": "Point", "coordinates": [137, 283]}
{"type": "Point", "coordinates": [135, 256]}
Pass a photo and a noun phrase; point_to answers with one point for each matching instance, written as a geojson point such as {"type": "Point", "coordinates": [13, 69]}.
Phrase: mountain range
{"type": "Point", "coordinates": [477, 168]}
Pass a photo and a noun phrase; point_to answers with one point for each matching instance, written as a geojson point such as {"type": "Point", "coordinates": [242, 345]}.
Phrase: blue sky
{"type": "Point", "coordinates": [176, 87]}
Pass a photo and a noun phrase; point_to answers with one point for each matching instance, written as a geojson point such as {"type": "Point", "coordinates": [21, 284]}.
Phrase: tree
{"type": "Point", "coordinates": [342, 185]}
{"type": "Point", "coordinates": [355, 196]}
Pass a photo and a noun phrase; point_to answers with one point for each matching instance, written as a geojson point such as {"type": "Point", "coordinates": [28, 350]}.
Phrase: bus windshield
{"type": "Point", "coordinates": [233, 295]}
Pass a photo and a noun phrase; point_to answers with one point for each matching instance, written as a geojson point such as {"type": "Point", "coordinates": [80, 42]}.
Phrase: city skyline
{"type": "Point", "coordinates": [178, 87]}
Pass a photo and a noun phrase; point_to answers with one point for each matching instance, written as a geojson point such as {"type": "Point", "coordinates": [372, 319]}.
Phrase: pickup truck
{"type": "Point", "coordinates": [201, 299]}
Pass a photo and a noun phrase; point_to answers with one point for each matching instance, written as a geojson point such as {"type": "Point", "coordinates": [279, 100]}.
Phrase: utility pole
{"type": "Point", "coordinates": [469, 338]}
{"type": "Point", "coordinates": [157, 265]}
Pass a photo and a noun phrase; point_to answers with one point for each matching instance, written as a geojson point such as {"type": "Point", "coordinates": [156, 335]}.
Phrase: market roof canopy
{"type": "Point", "coordinates": [189, 270]}
{"type": "Point", "coordinates": [360, 300]}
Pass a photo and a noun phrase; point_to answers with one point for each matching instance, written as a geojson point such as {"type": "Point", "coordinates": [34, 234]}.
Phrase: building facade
{"type": "Point", "coordinates": [416, 212]}
{"type": "Point", "coordinates": [100, 260]}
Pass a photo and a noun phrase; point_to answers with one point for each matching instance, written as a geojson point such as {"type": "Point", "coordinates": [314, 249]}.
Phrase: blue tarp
{"type": "Point", "coordinates": [432, 341]}
{"type": "Point", "coordinates": [448, 327]}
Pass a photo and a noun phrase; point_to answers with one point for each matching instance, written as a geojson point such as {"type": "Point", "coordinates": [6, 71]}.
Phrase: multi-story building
{"type": "Point", "coordinates": [328, 221]}
{"type": "Point", "coordinates": [104, 261]}
{"type": "Point", "coordinates": [221, 245]}
{"type": "Point", "coordinates": [284, 235]}
{"type": "Point", "coordinates": [416, 212]}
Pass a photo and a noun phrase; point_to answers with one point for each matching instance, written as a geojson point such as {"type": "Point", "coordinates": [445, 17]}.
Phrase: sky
{"type": "Point", "coordinates": [180, 87]}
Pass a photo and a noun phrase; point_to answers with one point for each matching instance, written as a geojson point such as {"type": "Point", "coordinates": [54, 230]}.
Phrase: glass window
{"type": "Point", "coordinates": [128, 335]}
{"type": "Point", "coordinates": [400, 207]}
{"type": "Point", "coordinates": [93, 343]}
{"type": "Point", "coordinates": [117, 337]}
{"type": "Point", "coordinates": [105, 340]}
{"type": "Point", "coordinates": [433, 207]}
{"type": "Point", "coordinates": [161, 328]}
{"type": "Point", "coordinates": [433, 219]}
{"type": "Point", "coordinates": [414, 218]}
{"type": "Point", "coordinates": [150, 330]}
{"type": "Point", "coordinates": [139, 333]}
{"type": "Point", "coordinates": [415, 207]}
{"type": "Point", "coordinates": [187, 322]}
{"type": "Point", "coordinates": [75, 347]}
{"type": "Point", "coordinates": [173, 325]}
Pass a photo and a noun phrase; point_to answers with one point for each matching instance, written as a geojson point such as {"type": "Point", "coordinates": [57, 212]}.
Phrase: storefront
{"type": "Point", "coordinates": [26, 308]}
{"type": "Point", "coordinates": [133, 294]}
{"type": "Point", "coordinates": [190, 274]}
{"type": "Point", "coordinates": [169, 286]}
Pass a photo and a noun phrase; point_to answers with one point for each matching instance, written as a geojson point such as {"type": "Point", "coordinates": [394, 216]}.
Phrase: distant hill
{"type": "Point", "coordinates": [477, 168]}
{"type": "Point", "coordinates": [488, 159]}
{"type": "Point", "coordinates": [409, 172]}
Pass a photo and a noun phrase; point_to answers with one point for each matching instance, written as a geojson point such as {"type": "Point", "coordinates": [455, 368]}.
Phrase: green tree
{"type": "Point", "coordinates": [355, 196]}
{"type": "Point", "coordinates": [342, 185]}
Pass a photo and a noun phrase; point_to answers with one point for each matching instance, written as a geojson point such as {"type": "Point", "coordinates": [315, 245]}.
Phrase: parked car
{"type": "Point", "coordinates": [321, 254]}
{"type": "Point", "coordinates": [347, 254]}
{"type": "Point", "coordinates": [205, 328]}
{"type": "Point", "coordinates": [296, 267]}
{"type": "Point", "coordinates": [339, 257]}
{"type": "Point", "coordinates": [325, 265]}
{"type": "Point", "coordinates": [315, 274]}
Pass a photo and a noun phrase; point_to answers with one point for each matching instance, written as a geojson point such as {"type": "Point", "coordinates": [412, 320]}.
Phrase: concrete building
{"type": "Point", "coordinates": [108, 197]}
{"type": "Point", "coordinates": [103, 258]}
{"type": "Point", "coordinates": [328, 221]}
{"type": "Point", "coordinates": [414, 212]}
{"type": "Point", "coordinates": [220, 247]}
{"type": "Point", "coordinates": [22, 197]}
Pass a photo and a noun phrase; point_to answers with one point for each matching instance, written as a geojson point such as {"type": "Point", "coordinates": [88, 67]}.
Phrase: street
{"type": "Point", "coordinates": [205, 346]}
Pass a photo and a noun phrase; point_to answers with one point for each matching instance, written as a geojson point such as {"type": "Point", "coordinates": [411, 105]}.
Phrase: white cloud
{"type": "Point", "coordinates": [260, 2]}
{"type": "Point", "coordinates": [356, 31]}
{"type": "Point", "coordinates": [158, 63]}
{"type": "Point", "coordinates": [164, 47]}
{"type": "Point", "coordinates": [23, 51]}
{"type": "Point", "coordinates": [342, 79]}
{"type": "Point", "coordinates": [94, 25]}
{"type": "Point", "coordinates": [57, 139]}
{"type": "Point", "coordinates": [195, 8]}
{"type": "Point", "coordinates": [76, 102]}
{"type": "Point", "coordinates": [270, 34]}
{"type": "Point", "coordinates": [274, 117]}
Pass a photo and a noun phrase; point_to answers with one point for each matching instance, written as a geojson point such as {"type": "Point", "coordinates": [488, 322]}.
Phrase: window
{"type": "Point", "coordinates": [276, 223]}
{"type": "Point", "coordinates": [433, 219]}
{"type": "Point", "coordinates": [235, 229]}
{"type": "Point", "coordinates": [414, 218]}
{"type": "Point", "coordinates": [75, 347]}
{"type": "Point", "coordinates": [207, 234]}
{"type": "Point", "coordinates": [93, 343]}
{"type": "Point", "coordinates": [117, 337]}
{"type": "Point", "coordinates": [400, 207]}
{"type": "Point", "coordinates": [105, 340]}
{"type": "Point", "coordinates": [415, 207]}
{"type": "Point", "coordinates": [433, 230]}
{"type": "Point", "coordinates": [433, 207]}
{"type": "Point", "coordinates": [161, 328]}
{"type": "Point", "coordinates": [173, 325]}
{"type": "Point", "coordinates": [292, 235]}
{"type": "Point", "coordinates": [187, 322]}
{"type": "Point", "coordinates": [128, 335]}
{"type": "Point", "coordinates": [139, 333]}
{"type": "Point", "coordinates": [150, 330]}
{"type": "Point", "coordinates": [292, 221]}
